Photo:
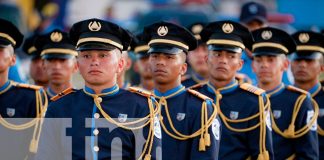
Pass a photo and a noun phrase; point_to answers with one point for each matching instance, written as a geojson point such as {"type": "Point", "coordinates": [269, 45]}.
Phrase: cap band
{"type": "Point", "coordinates": [269, 44]}
{"type": "Point", "coordinates": [141, 48]}
{"type": "Point", "coordinates": [310, 48]}
{"type": "Point", "coordinates": [225, 42]}
{"type": "Point", "coordinates": [8, 37]}
{"type": "Point", "coordinates": [167, 41]}
{"type": "Point", "coordinates": [59, 50]}
{"type": "Point", "coordinates": [103, 40]}
{"type": "Point", "coordinates": [31, 50]}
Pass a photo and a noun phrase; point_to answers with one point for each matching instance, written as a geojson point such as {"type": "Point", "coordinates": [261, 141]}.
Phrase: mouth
{"type": "Point", "coordinates": [56, 74]}
{"type": "Point", "coordinates": [94, 72]}
{"type": "Point", "coordinates": [159, 72]}
{"type": "Point", "coordinates": [221, 69]}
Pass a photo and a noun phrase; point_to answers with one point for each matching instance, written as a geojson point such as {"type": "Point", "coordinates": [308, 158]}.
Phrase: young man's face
{"type": "Point", "coordinates": [306, 70]}
{"type": "Point", "coordinates": [144, 69]}
{"type": "Point", "coordinates": [197, 60]}
{"type": "Point", "coordinates": [60, 71]}
{"type": "Point", "coordinates": [100, 67]}
{"type": "Point", "coordinates": [167, 68]}
{"type": "Point", "coordinates": [7, 58]}
{"type": "Point", "coordinates": [269, 69]}
{"type": "Point", "coordinates": [223, 65]}
{"type": "Point", "coordinates": [37, 71]}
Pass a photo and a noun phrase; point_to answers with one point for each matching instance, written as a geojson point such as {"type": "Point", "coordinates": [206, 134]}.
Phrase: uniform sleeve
{"type": "Point", "coordinates": [254, 136]}
{"type": "Point", "coordinates": [307, 145]}
{"type": "Point", "coordinates": [214, 131]}
{"type": "Point", "coordinates": [49, 144]}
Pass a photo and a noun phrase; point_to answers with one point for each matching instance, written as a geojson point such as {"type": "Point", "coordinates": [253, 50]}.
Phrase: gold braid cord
{"type": "Point", "coordinates": [37, 121]}
{"type": "Point", "coordinates": [264, 154]}
{"type": "Point", "coordinates": [148, 120]}
{"type": "Point", "coordinates": [206, 122]}
{"type": "Point", "coordinates": [291, 132]}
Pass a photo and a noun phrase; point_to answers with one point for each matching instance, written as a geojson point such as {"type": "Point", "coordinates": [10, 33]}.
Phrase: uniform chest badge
{"type": "Point", "coordinates": [234, 114]}
{"type": "Point", "coordinates": [11, 112]}
{"type": "Point", "coordinates": [181, 116]}
{"type": "Point", "coordinates": [122, 117]}
{"type": "Point", "coordinates": [216, 128]}
{"type": "Point", "coordinates": [321, 112]}
{"type": "Point", "coordinates": [276, 114]}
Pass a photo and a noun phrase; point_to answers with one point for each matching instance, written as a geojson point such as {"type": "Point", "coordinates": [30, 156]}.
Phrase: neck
{"type": "Point", "coordinates": [97, 88]}
{"type": "Point", "coordinates": [40, 83]}
{"type": "Point", "coordinates": [269, 86]}
{"type": "Point", "coordinates": [58, 88]}
{"type": "Point", "coordinates": [3, 78]}
{"type": "Point", "coordinates": [306, 85]}
{"type": "Point", "coordinates": [219, 84]}
{"type": "Point", "coordinates": [121, 80]}
{"type": "Point", "coordinates": [163, 87]}
{"type": "Point", "coordinates": [147, 84]}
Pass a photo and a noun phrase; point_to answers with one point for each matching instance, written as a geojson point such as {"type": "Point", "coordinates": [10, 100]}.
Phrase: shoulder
{"type": "Point", "coordinates": [27, 87]}
{"type": "Point", "coordinates": [65, 93]}
{"type": "Point", "coordinates": [246, 87]}
{"type": "Point", "coordinates": [198, 95]}
{"type": "Point", "coordinates": [296, 90]}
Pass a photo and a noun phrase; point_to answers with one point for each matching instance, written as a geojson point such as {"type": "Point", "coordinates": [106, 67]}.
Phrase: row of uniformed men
{"type": "Point", "coordinates": [190, 120]}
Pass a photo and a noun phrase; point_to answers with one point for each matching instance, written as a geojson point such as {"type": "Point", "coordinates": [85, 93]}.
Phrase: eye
{"type": "Point", "coordinates": [86, 56]}
{"type": "Point", "coordinates": [170, 57]}
{"type": "Point", "coordinates": [103, 55]}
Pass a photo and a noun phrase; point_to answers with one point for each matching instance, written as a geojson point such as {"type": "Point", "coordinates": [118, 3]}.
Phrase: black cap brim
{"type": "Point", "coordinates": [309, 56]}
{"type": "Point", "coordinates": [4, 43]}
{"type": "Point", "coordinates": [225, 48]}
{"type": "Point", "coordinates": [165, 50]}
{"type": "Point", "coordinates": [142, 55]}
{"type": "Point", "coordinates": [57, 56]}
{"type": "Point", "coordinates": [95, 46]}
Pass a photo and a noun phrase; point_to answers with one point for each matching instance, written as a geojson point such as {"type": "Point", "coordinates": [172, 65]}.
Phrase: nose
{"type": "Point", "coordinates": [94, 61]}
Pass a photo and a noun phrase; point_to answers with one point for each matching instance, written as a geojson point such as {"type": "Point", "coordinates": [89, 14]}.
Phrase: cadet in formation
{"type": "Point", "coordinates": [293, 114]}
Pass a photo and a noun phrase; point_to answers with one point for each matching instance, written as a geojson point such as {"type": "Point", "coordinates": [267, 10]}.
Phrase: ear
{"type": "Point", "coordinates": [183, 69]}
{"type": "Point", "coordinates": [135, 67]}
{"type": "Point", "coordinates": [253, 66]}
{"type": "Point", "coordinates": [241, 62]}
{"type": "Point", "coordinates": [128, 63]}
{"type": "Point", "coordinates": [285, 64]}
{"type": "Point", "coordinates": [322, 68]}
{"type": "Point", "coordinates": [75, 67]}
{"type": "Point", "coordinates": [121, 63]}
{"type": "Point", "coordinates": [13, 60]}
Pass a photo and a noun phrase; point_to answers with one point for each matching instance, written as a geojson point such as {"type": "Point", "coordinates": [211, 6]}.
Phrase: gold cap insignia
{"type": "Point", "coordinates": [266, 35]}
{"type": "Point", "coordinates": [162, 31]}
{"type": "Point", "coordinates": [227, 28]}
{"type": "Point", "coordinates": [56, 36]}
{"type": "Point", "coordinates": [94, 26]}
{"type": "Point", "coordinates": [196, 29]}
{"type": "Point", "coordinates": [303, 37]}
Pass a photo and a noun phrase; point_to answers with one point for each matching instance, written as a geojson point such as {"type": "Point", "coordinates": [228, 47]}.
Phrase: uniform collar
{"type": "Point", "coordinates": [277, 90]}
{"type": "Point", "coordinates": [50, 92]}
{"type": "Point", "coordinates": [315, 89]}
{"type": "Point", "coordinates": [228, 88]}
{"type": "Point", "coordinates": [170, 93]}
{"type": "Point", "coordinates": [5, 87]}
{"type": "Point", "coordinates": [105, 92]}
{"type": "Point", "coordinates": [126, 85]}
{"type": "Point", "coordinates": [197, 78]}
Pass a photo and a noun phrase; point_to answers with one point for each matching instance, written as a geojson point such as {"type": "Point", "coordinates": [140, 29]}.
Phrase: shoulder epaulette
{"type": "Point", "coordinates": [62, 94]}
{"type": "Point", "coordinates": [140, 91]}
{"type": "Point", "coordinates": [199, 85]}
{"type": "Point", "coordinates": [28, 86]}
{"type": "Point", "coordinates": [251, 88]}
{"type": "Point", "coordinates": [185, 77]}
{"type": "Point", "coordinates": [293, 88]}
{"type": "Point", "coordinates": [199, 95]}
